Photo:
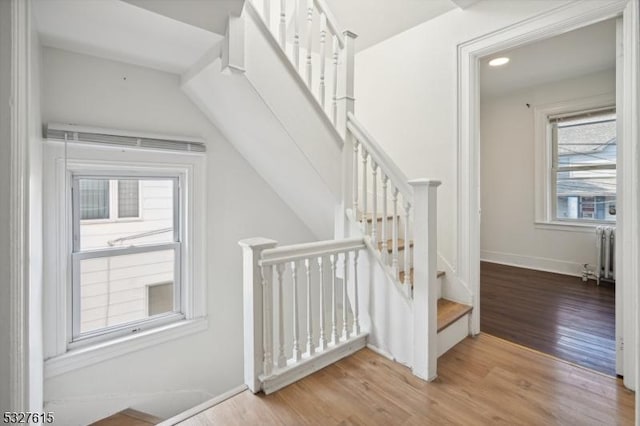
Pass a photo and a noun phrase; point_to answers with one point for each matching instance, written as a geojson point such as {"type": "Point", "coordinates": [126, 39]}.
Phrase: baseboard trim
{"type": "Point", "coordinates": [535, 263]}
{"type": "Point", "coordinates": [204, 406]}
{"type": "Point", "coordinates": [311, 365]}
{"type": "Point", "coordinates": [381, 352]}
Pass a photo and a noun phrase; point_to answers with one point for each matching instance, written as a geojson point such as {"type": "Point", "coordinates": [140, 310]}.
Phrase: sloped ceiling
{"type": "Point", "coordinates": [377, 20]}
{"type": "Point", "coordinates": [120, 31]}
{"type": "Point", "coordinates": [210, 15]}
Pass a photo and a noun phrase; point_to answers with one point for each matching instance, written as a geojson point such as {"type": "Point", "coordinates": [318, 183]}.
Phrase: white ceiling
{"type": "Point", "coordinates": [377, 20]}
{"type": "Point", "coordinates": [210, 15]}
{"type": "Point", "coordinates": [178, 33]}
{"type": "Point", "coordinates": [121, 31]}
{"type": "Point", "coordinates": [580, 52]}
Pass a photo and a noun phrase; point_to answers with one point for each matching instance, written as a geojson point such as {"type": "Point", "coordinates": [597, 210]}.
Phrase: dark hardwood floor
{"type": "Point", "coordinates": [552, 313]}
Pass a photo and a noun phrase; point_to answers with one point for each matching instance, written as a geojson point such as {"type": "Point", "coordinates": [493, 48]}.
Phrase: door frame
{"type": "Point", "coordinates": [551, 23]}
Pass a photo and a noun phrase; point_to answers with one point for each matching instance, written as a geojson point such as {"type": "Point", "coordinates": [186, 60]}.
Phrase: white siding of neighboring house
{"type": "Point", "coordinates": [114, 289]}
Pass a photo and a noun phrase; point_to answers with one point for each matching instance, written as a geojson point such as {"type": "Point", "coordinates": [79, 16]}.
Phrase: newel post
{"type": "Point", "coordinates": [345, 105]}
{"type": "Point", "coordinates": [253, 316]}
{"type": "Point", "coordinates": [425, 281]}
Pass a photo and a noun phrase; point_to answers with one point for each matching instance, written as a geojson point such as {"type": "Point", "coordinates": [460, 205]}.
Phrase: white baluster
{"type": "Point", "coordinates": [282, 359]}
{"type": "Point", "coordinates": [323, 36]}
{"type": "Point", "coordinates": [267, 319]}
{"type": "Point", "coordinates": [407, 248]}
{"type": "Point", "coordinates": [297, 354]}
{"type": "Point", "coordinates": [266, 12]}
{"type": "Point", "coordinates": [385, 248]}
{"type": "Point", "coordinates": [374, 212]}
{"type": "Point", "coordinates": [355, 177]}
{"type": "Point", "coordinates": [334, 106]}
{"type": "Point", "coordinates": [394, 234]}
{"type": "Point", "coordinates": [310, 346]}
{"type": "Point", "coordinates": [335, 337]}
{"type": "Point", "coordinates": [364, 189]}
{"type": "Point", "coordinates": [309, 39]}
{"type": "Point", "coordinates": [323, 337]}
{"type": "Point", "coordinates": [345, 301]}
{"type": "Point", "coordinates": [356, 308]}
{"type": "Point", "coordinates": [283, 24]}
{"type": "Point", "coordinates": [296, 35]}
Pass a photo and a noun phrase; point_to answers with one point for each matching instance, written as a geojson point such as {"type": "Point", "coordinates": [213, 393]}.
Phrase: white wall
{"type": "Point", "coordinates": [507, 175]}
{"type": "Point", "coordinates": [5, 114]}
{"type": "Point", "coordinates": [91, 91]}
{"type": "Point", "coordinates": [406, 90]}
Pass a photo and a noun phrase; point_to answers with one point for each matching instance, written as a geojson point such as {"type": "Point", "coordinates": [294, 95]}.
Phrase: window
{"type": "Point", "coordinates": [583, 169]}
{"type": "Point", "coordinates": [125, 275]}
{"type": "Point", "coordinates": [125, 246]}
{"type": "Point", "coordinates": [109, 199]}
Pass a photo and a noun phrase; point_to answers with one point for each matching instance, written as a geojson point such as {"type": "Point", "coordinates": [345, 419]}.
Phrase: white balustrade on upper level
{"type": "Point", "coordinates": [308, 26]}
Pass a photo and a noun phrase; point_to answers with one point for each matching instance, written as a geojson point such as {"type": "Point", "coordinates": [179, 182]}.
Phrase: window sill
{"type": "Point", "coordinates": [585, 228]}
{"type": "Point", "coordinates": [86, 356]}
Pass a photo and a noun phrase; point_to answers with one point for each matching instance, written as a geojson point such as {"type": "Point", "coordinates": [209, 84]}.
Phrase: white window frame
{"type": "Point", "coordinates": [61, 163]}
{"type": "Point", "coordinates": [78, 339]}
{"type": "Point", "coordinates": [545, 202]}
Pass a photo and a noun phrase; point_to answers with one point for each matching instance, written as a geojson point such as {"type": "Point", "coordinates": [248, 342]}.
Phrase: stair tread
{"type": "Point", "coordinates": [439, 275]}
{"type": "Point", "coordinates": [449, 312]}
{"type": "Point", "coordinates": [129, 417]}
{"type": "Point", "coordinates": [390, 245]}
{"type": "Point", "coordinates": [369, 217]}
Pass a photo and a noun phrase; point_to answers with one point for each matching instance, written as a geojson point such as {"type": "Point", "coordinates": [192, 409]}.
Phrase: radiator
{"type": "Point", "coordinates": [605, 250]}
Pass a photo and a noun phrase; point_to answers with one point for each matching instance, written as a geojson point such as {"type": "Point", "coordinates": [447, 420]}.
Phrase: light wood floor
{"type": "Point", "coordinates": [128, 417]}
{"type": "Point", "coordinates": [483, 380]}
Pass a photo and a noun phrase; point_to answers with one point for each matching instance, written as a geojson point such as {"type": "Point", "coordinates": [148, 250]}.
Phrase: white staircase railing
{"type": "Point", "coordinates": [304, 26]}
{"type": "Point", "coordinates": [308, 28]}
{"type": "Point", "coordinates": [417, 225]}
{"type": "Point", "coordinates": [277, 350]}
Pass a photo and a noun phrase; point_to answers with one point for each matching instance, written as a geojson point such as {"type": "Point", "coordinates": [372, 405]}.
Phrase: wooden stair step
{"type": "Point", "coordinates": [390, 245]}
{"type": "Point", "coordinates": [129, 417]}
{"type": "Point", "coordinates": [440, 274]}
{"type": "Point", "coordinates": [449, 312]}
{"type": "Point", "coordinates": [369, 217]}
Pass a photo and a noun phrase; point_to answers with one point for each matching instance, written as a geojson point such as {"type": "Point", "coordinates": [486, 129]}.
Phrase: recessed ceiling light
{"type": "Point", "coordinates": [497, 62]}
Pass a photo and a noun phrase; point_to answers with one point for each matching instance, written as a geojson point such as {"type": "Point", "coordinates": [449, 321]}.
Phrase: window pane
{"type": "Point", "coordinates": [587, 194]}
{"type": "Point", "coordinates": [151, 224]}
{"type": "Point", "coordinates": [586, 157]}
{"type": "Point", "coordinates": [113, 290]}
{"type": "Point", "coordinates": [159, 298]}
{"type": "Point", "coordinates": [587, 141]}
{"type": "Point", "coordinates": [128, 201]}
{"type": "Point", "coordinates": [94, 199]}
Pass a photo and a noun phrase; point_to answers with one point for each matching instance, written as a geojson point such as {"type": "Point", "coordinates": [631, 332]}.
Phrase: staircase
{"type": "Point", "coordinates": [129, 417]}
{"type": "Point", "coordinates": [372, 279]}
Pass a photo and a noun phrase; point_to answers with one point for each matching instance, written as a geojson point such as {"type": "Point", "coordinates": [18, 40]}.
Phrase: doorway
{"type": "Point", "coordinates": [565, 18]}
{"type": "Point", "coordinates": [548, 181]}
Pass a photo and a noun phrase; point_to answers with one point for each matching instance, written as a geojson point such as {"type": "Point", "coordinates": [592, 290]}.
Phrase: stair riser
{"type": "Point", "coordinates": [453, 334]}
